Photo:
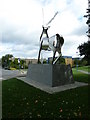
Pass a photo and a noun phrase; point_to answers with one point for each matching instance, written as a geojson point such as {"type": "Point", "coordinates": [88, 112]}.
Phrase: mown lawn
{"type": "Point", "coordinates": [79, 76]}
{"type": "Point", "coordinates": [20, 100]}
{"type": "Point", "coordinates": [85, 68]}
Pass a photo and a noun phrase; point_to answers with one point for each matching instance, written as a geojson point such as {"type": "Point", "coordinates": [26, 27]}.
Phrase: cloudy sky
{"type": "Point", "coordinates": [21, 25]}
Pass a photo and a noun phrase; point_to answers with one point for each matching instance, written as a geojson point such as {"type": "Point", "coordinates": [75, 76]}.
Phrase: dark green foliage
{"type": "Point", "coordinates": [85, 50]}
{"type": "Point", "coordinates": [61, 60]}
{"type": "Point", "coordinates": [44, 61]}
{"type": "Point", "coordinates": [6, 61]}
{"type": "Point", "coordinates": [81, 62]}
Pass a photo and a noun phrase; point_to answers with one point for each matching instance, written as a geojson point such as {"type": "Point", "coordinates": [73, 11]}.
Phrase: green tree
{"type": "Point", "coordinates": [61, 60]}
{"type": "Point", "coordinates": [6, 60]}
{"type": "Point", "coordinates": [22, 63]}
{"type": "Point", "coordinates": [81, 62]}
{"type": "Point", "coordinates": [84, 49]}
{"type": "Point", "coordinates": [15, 63]}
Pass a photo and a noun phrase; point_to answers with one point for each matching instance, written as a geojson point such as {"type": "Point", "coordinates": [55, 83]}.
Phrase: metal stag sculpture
{"type": "Point", "coordinates": [53, 43]}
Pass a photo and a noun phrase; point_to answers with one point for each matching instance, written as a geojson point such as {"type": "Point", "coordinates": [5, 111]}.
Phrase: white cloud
{"type": "Point", "coordinates": [71, 44]}
{"type": "Point", "coordinates": [21, 21]}
{"type": "Point", "coordinates": [21, 13]}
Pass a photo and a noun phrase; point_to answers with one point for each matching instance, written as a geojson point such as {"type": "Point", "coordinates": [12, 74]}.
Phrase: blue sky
{"type": "Point", "coordinates": [21, 25]}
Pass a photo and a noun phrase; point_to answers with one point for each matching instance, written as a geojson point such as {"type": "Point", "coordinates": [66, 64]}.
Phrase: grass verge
{"type": "Point", "coordinates": [84, 68]}
{"type": "Point", "coordinates": [80, 77]}
{"type": "Point", "coordinates": [21, 100]}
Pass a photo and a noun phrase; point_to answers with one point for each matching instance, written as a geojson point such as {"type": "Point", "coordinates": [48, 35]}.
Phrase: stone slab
{"type": "Point", "coordinates": [51, 75]}
{"type": "Point", "coordinates": [49, 89]}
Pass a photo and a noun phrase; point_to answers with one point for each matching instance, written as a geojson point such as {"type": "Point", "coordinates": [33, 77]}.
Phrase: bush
{"type": "Point", "coordinates": [84, 62]}
{"type": "Point", "coordinates": [12, 68]}
{"type": "Point", "coordinates": [81, 62]}
{"type": "Point", "coordinates": [61, 60]}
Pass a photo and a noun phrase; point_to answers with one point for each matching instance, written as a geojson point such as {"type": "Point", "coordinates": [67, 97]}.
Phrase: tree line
{"type": "Point", "coordinates": [9, 61]}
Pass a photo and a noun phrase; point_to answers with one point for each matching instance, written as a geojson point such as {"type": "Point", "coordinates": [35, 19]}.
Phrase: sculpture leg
{"type": "Point", "coordinates": [39, 53]}
{"type": "Point", "coordinates": [59, 57]}
{"type": "Point", "coordinates": [56, 59]}
{"type": "Point", "coordinates": [53, 56]}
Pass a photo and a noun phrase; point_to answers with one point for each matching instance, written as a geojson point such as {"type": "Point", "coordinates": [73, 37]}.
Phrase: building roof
{"type": "Point", "coordinates": [67, 56]}
{"type": "Point", "coordinates": [77, 58]}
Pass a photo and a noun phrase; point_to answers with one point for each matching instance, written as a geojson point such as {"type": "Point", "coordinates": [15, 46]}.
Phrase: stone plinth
{"type": "Point", "coordinates": [51, 75]}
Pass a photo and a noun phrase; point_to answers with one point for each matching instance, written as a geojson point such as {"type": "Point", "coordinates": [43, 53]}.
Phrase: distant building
{"type": "Point", "coordinates": [28, 61]}
{"type": "Point", "coordinates": [68, 60]}
{"type": "Point", "coordinates": [33, 61]}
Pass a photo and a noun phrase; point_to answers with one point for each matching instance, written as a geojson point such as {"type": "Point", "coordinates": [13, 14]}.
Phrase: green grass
{"type": "Point", "coordinates": [79, 76]}
{"type": "Point", "coordinates": [20, 100]}
{"type": "Point", "coordinates": [85, 68]}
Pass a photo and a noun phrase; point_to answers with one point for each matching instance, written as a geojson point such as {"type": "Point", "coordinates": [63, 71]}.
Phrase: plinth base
{"type": "Point", "coordinates": [50, 75]}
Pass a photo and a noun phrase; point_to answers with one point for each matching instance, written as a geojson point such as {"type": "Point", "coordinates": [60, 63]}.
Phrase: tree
{"type": "Point", "coordinates": [15, 63]}
{"type": "Point", "coordinates": [9, 62]}
{"type": "Point", "coordinates": [22, 63]}
{"type": "Point", "coordinates": [88, 20]}
{"type": "Point", "coordinates": [81, 62]}
{"type": "Point", "coordinates": [6, 60]}
{"type": "Point", "coordinates": [84, 49]}
{"type": "Point", "coordinates": [61, 60]}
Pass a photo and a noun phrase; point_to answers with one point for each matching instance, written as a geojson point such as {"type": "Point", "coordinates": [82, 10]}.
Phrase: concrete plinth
{"type": "Point", "coordinates": [51, 75]}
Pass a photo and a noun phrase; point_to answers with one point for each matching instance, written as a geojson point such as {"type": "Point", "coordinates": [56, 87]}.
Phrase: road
{"type": "Point", "coordinates": [6, 74]}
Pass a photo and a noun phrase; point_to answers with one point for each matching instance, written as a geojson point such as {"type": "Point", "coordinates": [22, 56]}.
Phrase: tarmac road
{"type": "Point", "coordinates": [6, 74]}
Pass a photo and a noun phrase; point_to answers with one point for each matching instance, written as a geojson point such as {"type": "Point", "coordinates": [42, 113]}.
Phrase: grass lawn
{"type": "Point", "coordinates": [85, 68]}
{"type": "Point", "coordinates": [79, 76]}
{"type": "Point", "coordinates": [20, 100]}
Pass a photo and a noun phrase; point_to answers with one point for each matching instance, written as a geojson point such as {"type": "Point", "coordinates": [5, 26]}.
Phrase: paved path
{"type": "Point", "coordinates": [7, 74]}
{"type": "Point", "coordinates": [84, 72]}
